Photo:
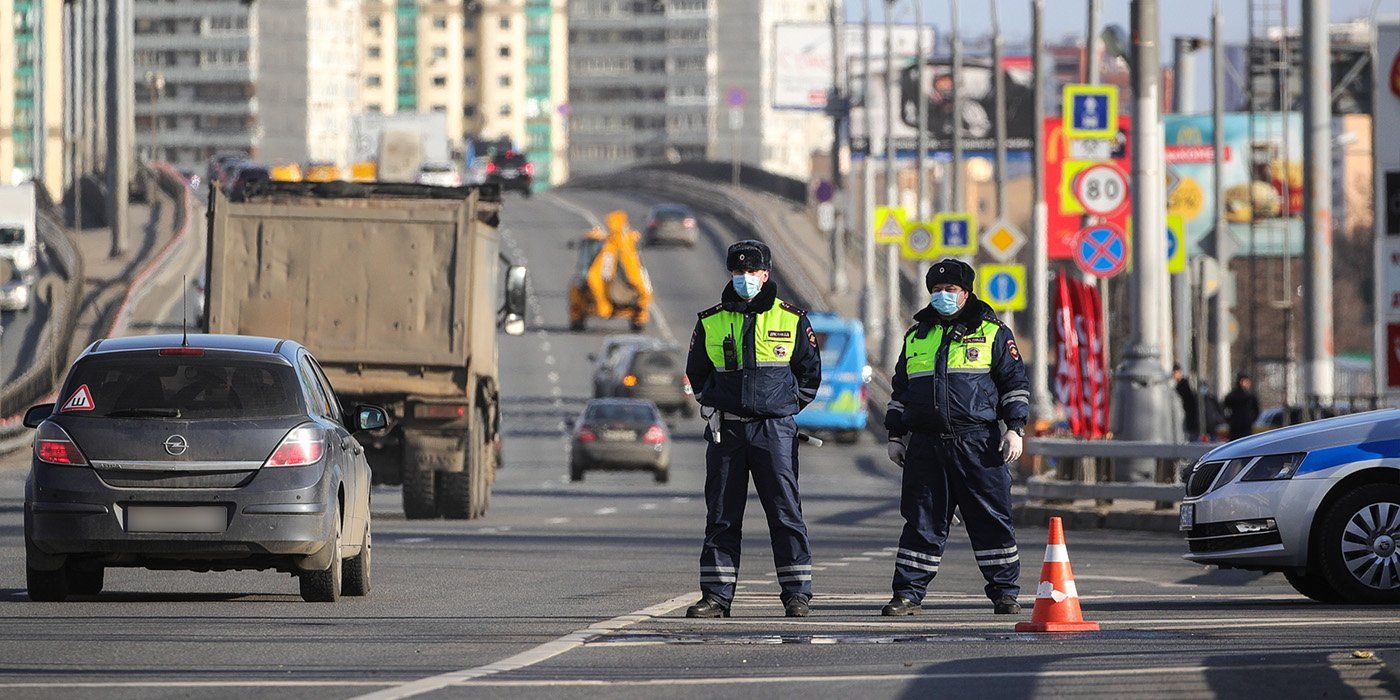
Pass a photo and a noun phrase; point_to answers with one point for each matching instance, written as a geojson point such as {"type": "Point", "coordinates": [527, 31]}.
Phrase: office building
{"type": "Point", "coordinates": [31, 93]}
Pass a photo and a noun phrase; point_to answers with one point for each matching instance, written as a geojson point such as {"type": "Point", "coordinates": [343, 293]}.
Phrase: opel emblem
{"type": "Point", "coordinates": [176, 445]}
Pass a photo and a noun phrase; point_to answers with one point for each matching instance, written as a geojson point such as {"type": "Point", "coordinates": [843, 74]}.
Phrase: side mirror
{"type": "Point", "coordinates": [369, 418]}
{"type": "Point", "coordinates": [516, 296]}
{"type": "Point", "coordinates": [37, 414]}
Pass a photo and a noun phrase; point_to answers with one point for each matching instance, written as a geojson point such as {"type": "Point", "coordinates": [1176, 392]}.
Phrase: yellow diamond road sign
{"type": "Point", "coordinates": [890, 223]}
{"type": "Point", "coordinates": [1003, 241]}
{"type": "Point", "coordinates": [919, 241]}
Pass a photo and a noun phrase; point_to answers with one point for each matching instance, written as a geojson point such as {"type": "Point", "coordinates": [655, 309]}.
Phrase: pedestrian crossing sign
{"type": "Point", "coordinates": [1003, 286]}
{"type": "Point", "coordinates": [957, 233]}
{"type": "Point", "coordinates": [890, 223]}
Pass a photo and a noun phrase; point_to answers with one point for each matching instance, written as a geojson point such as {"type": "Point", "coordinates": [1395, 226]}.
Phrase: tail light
{"type": "Point", "coordinates": [864, 394]}
{"type": "Point", "coordinates": [629, 380]}
{"type": "Point", "coordinates": [528, 168]}
{"type": "Point", "coordinates": [490, 168]}
{"type": "Point", "coordinates": [304, 445]}
{"type": "Point", "coordinates": [689, 222]}
{"type": "Point", "coordinates": [441, 411]}
{"type": "Point", "coordinates": [654, 436]}
{"type": "Point", "coordinates": [587, 435]}
{"type": "Point", "coordinates": [53, 446]}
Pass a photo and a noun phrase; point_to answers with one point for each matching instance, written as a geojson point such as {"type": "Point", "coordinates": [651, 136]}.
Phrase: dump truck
{"type": "Point", "coordinates": [399, 290]}
{"type": "Point", "coordinates": [610, 280]}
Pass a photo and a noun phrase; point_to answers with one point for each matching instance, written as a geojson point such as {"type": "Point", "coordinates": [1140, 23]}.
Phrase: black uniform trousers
{"type": "Point", "coordinates": [946, 472]}
{"type": "Point", "coordinates": [767, 449]}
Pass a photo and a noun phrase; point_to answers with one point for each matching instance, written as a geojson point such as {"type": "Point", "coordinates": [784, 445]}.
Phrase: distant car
{"type": "Point", "coordinates": [439, 174]}
{"type": "Point", "coordinates": [840, 405]}
{"type": "Point", "coordinates": [1272, 418]}
{"type": "Point", "coordinates": [222, 163]}
{"type": "Point", "coordinates": [671, 224]}
{"type": "Point", "coordinates": [611, 362]}
{"type": "Point", "coordinates": [621, 434]}
{"type": "Point", "coordinates": [512, 171]}
{"type": "Point", "coordinates": [1319, 502]}
{"type": "Point", "coordinates": [222, 453]}
{"type": "Point", "coordinates": [245, 175]}
{"type": "Point", "coordinates": [657, 375]}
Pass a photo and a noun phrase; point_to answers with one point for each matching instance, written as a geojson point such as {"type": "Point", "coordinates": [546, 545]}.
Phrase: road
{"type": "Point", "coordinates": [565, 589]}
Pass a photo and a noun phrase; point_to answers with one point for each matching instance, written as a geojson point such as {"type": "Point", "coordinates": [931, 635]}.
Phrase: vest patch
{"type": "Point", "coordinates": [975, 339]}
{"type": "Point", "coordinates": [780, 351]}
{"type": "Point", "coordinates": [779, 334]}
{"type": "Point", "coordinates": [973, 354]}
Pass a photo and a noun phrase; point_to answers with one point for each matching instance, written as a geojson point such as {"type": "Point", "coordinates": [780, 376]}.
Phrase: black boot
{"type": "Point", "coordinates": [1008, 606]}
{"type": "Point", "coordinates": [901, 606]}
{"type": "Point", "coordinates": [797, 607]}
{"type": "Point", "coordinates": [707, 607]}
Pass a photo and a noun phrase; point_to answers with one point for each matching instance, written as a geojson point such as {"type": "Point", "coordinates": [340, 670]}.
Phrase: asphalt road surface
{"type": "Point", "coordinates": [569, 590]}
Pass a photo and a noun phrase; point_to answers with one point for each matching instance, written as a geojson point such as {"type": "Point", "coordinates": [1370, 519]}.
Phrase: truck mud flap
{"type": "Point", "coordinates": [439, 452]}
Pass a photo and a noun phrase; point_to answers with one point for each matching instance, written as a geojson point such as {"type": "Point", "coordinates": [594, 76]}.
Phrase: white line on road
{"type": "Point", "coordinates": [414, 540]}
{"type": "Point", "coordinates": [855, 558]}
{"type": "Point", "coordinates": [557, 521]}
{"type": "Point", "coordinates": [530, 657]}
{"type": "Point", "coordinates": [605, 511]}
{"type": "Point", "coordinates": [199, 684]}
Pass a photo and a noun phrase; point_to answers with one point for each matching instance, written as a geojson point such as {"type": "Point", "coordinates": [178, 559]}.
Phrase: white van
{"type": "Point", "coordinates": [19, 242]}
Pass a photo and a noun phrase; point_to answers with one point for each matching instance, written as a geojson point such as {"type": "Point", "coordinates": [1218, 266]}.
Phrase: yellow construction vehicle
{"type": "Point", "coordinates": [609, 279]}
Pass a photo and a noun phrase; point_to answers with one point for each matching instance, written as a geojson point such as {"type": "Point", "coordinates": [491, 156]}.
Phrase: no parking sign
{"type": "Point", "coordinates": [1101, 250]}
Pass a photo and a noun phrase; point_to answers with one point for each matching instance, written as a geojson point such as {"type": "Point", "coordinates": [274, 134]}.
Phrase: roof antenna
{"type": "Point", "coordinates": [184, 313]}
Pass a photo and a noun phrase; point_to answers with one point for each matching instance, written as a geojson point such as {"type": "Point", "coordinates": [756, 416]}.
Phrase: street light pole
{"type": "Point", "coordinates": [1140, 404]}
{"type": "Point", "coordinates": [1041, 406]}
{"type": "Point", "coordinates": [956, 178]}
{"type": "Point", "coordinates": [869, 299]}
{"type": "Point", "coordinates": [920, 114]}
{"type": "Point", "coordinates": [893, 337]}
{"type": "Point", "coordinates": [1317, 204]}
{"type": "Point", "coordinates": [836, 105]}
{"type": "Point", "coordinates": [999, 116]}
{"type": "Point", "coordinates": [1224, 243]}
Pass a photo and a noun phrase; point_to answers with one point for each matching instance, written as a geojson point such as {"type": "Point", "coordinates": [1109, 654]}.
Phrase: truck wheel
{"type": "Point", "coordinates": [419, 493]}
{"type": "Point", "coordinates": [1312, 584]}
{"type": "Point", "coordinates": [486, 466]}
{"type": "Point", "coordinates": [576, 324]}
{"type": "Point", "coordinates": [85, 581]}
{"type": "Point", "coordinates": [1358, 544]}
{"type": "Point", "coordinates": [662, 476]}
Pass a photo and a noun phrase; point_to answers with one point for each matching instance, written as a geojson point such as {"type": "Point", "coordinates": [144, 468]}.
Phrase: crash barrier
{"type": "Point", "coordinates": [51, 355]}
{"type": "Point", "coordinates": [750, 178]}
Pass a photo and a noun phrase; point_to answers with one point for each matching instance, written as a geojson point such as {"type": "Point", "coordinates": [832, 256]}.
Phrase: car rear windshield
{"type": "Point", "coordinates": [620, 412]}
{"type": "Point", "coordinates": [656, 361]}
{"type": "Point", "coordinates": [10, 235]}
{"type": "Point", "coordinates": [145, 384]}
{"type": "Point", "coordinates": [671, 214]}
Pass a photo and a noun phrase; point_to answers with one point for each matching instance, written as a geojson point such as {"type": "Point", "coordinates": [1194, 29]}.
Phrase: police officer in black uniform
{"type": "Point", "coordinates": [958, 374]}
{"type": "Point", "coordinates": [754, 363]}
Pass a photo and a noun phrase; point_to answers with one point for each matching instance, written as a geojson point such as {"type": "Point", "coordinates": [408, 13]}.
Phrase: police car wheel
{"type": "Point", "coordinates": [1312, 584]}
{"type": "Point", "coordinates": [1358, 544]}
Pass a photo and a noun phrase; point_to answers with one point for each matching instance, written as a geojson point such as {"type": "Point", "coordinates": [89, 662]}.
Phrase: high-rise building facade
{"type": "Point", "coordinates": [31, 92]}
{"type": "Point", "coordinates": [493, 68]}
{"type": "Point", "coordinates": [279, 80]}
{"type": "Point", "coordinates": [653, 80]}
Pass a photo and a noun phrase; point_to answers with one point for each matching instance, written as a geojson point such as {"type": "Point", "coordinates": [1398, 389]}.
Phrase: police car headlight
{"type": "Point", "coordinates": [1274, 467]}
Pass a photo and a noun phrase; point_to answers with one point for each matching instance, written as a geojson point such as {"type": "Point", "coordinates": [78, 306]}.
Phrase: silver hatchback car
{"type": "Point", "coordinates": [1319, 502]}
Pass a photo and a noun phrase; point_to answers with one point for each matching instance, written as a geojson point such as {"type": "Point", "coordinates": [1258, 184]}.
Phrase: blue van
{"type": "Point", "coordinates": [840, 404]}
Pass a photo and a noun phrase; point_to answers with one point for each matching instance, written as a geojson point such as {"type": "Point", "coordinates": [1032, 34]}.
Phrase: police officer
{"type": "Point", "coordinates": [754, 362]}
{"type": "Point", "coordinates": [958, 373]}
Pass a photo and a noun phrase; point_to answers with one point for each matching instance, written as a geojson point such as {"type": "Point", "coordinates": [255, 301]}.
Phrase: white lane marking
{"type": "Point", "coordinates": [530, 657]}
{"type": "Point", "coordinates": [680, 499]}
{"type": "Point", "coordinates": [545, 346]}
{"type": "Point", "coordinates": [593, 220]}
{"type": "Point", "coordinates": [554, 377]}
{"type": "Point", "coordinates": [874, 554]}
{"type": "Point", "coordinates": [556, 521]}
{"type": "Point", "coordinates": [198, 684]}
{"type": "Point", "coordinates": [549, 359]}
{"type": "Point", "coordinates": [415, 540]}
{"type": "Point", "coordinates": [854, 678]}
{"type": "Point", "coordinates": [1131, 579]}
{"type": "Point", "coordinates": [648, 506]}
{"type": "Point", "coordinates": [855, 558]}
{"type": "Point", "coordinates": [834, 563]}
{"type": "Point", "coordinates": [605, 511]}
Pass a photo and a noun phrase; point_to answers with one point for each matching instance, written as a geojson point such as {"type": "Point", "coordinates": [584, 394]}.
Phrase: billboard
{"type": "Point", "coordinates": [1263, 170]}
{"type": "Point", "coordinates": [802, 59]}
{"type": "Point", "coordinates": [1387, 187]}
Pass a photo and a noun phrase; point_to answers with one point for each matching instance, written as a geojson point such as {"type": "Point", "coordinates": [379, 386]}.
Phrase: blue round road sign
{"type": "Point", "coordinates": [825, 191]}
{"type": "Point", "coordinates": [1101, 250]}
{"type": "Point", "coordinates": [1002, 287]}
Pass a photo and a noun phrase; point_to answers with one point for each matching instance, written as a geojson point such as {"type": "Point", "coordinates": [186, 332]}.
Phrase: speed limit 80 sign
{"type": "Point", "coordinates": [1102, 189]}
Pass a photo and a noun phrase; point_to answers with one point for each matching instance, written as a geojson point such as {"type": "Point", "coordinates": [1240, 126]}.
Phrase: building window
{"type": "Point", "coordinates": [469, 81]}
{"type": "Point", "coordinates": [469, 53]}
{"type": "Point", "coordinates": [469, 111]}
{"type": "Point", "coordinates": [439, 52]}
{"type": "Point", "coordinates": [374, 52]}
{"type": "Point", "coordinates": [440, 81]}
{"type": "Point", "coordinates": [376, 109]}
{"type": "Point", "coordinates": [504, 51]}
{"type": "Point", "coordinates": [505, 110]}
{"type": "Point", "coordinates": [440, 108]}
{"type": "Point", "coordinates": [439, 23]}
{"type": "Point", "coordinates": [374, 23]}
{"type": "Point", "coordinates": [505, 23]}
{"type": "Point", "coordinates": [504, 81]}
{"type": "Point", "coordinates": [374, 81]}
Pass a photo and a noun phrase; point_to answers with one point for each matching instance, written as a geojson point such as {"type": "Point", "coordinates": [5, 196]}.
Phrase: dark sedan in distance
{"type": "Point", "coordinates": [621, 434]}
{"type": "Point", "coordinates": [671, 224]}
{"type": "Point", "coordinates": [512, 171]}
{"type": "Point", "coordinates": [206, 453]}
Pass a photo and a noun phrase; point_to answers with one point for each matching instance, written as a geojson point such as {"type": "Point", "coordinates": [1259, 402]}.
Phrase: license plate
{"type": "Point", "coordinates": [658, 379]}
{"type": "Point", "coordinates": [509, 172]}
{"type": "Point", "coordinates": [1188, 516]}
{"type": "Point", "coordinates": [619, 435]}
{"type": "Point", "coordinates": [176, 519]}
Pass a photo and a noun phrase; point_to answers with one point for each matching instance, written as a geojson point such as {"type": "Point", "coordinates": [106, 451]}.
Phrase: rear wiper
{"type": "Point", "coordinates": [145, 413]}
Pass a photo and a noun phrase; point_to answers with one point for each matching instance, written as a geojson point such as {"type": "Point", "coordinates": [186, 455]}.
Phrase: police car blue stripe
{"type": "Point", "coordinates": [1330, 457]}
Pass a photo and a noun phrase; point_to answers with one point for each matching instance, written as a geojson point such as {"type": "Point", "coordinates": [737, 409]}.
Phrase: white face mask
{"type": "Point", "coordinates": [748, 285]}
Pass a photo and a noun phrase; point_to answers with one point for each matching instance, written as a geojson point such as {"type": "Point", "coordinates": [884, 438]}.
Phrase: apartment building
{"type": "Point", "coordinates": [494, 68]}
{"type": "Point", "coordinates": [276, 79]}
{"type": "Point", "coordinates": [31, 92]}
{"type": "Point", "coordinates": [649, 80]}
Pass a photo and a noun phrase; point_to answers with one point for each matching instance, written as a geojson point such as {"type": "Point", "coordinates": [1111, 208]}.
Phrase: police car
{"type": "Point", "coordinates": [1319, 502]}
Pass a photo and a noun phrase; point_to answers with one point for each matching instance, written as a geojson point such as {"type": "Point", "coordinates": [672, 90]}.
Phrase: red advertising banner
{"type": "Point", "coordinates": [1081, 375]}
{"type": "Point", "coordinates": [1392, 355]}
{"type": "Point", "coordinates": [1065, 217]}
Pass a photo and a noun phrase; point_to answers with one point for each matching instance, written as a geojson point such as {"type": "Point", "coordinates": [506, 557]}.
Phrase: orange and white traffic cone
{"type": "Point", "coordinates": [1056, 599]}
